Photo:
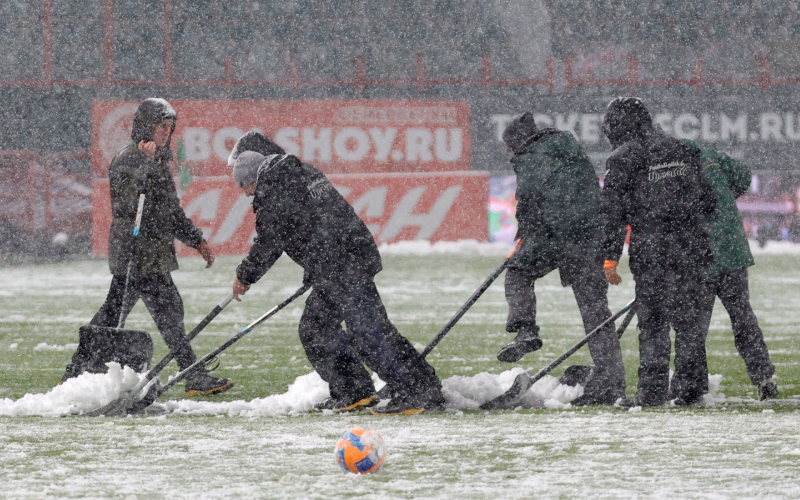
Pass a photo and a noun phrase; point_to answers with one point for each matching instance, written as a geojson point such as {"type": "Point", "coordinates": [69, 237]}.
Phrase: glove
{"type": "Point", "coordinates": [206, 253]}
{"type": "Point", "coordinates": [253, 141]}
{"type": "Point", "coordinates": [610, 268]}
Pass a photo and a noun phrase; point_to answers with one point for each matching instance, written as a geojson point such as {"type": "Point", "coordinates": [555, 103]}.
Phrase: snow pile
{"type": "Point", "coordinates": [468, 393]}
{"type": "Point", "coordinates": [44, 346]}
{"type": "Point", "coordinates": [460, 247]}
{"type": "Point", "coordinates": [90, 391]}
{"type": "Point", "coordinates": [302, 395]}
{"type": "Point", "coordinates": [77, 395]}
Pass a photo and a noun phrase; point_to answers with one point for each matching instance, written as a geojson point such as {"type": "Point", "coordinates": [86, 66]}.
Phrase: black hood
{"type": "Point", "coordinates": [254, 141]}
{"type": "Point", "coordinates": [150, 113]}
{"type": "Point", "coordinates": [518, 131]}
{"type": "Point", "coordinates": [626, 118]}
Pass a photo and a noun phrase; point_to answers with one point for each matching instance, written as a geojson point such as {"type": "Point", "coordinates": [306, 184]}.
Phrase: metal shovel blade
{"type": "Point", "coordinates": [510, 399]}
{"type": "Point", "coordinates": [115, 408]}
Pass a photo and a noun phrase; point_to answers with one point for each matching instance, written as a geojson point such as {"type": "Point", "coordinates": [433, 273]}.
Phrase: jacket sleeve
{"type": "Point", "coordinates": [182, 226]}
{"type": "Point", "coordinates": [277, 199]}
{"type": "Point", "coordinates": [616, 187]}
{"type": "Point", "coordinates": [266, 249]}
{"type": "Point", "coordinates": [737, 173]}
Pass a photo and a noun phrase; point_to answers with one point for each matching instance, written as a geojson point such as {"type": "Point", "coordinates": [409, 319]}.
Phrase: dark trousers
{"type": "Point", "coordinates": [339, 355]}
{"type": "Point", "coordinates": [668, 297]}
{"type": "Point", "coordinates": [733, 290]}
{"type": "Point", "coordinates": [164, 303]}
{"type": "Point", "coordinates": [590, 288]}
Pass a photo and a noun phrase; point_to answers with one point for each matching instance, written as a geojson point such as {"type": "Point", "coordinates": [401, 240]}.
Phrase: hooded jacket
{"type": "Point", "coordinates": [132, 173]}
{"type": "Point", "coordinates": [558, 201]}
{"type": "Point", "coordinates": [729, 179]}
{"type": "Point", "coordinates": [655, 183]}
{"type": "Point", "coordinates": [298, 211]}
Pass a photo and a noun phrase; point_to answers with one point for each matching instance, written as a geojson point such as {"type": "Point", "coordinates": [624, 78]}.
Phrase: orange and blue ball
{"type": "Point", "coordinates": [360, 451]}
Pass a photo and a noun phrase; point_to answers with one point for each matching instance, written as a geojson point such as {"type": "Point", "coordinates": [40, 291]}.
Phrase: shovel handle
{"type": "Point", "coordinates": [474, 298]}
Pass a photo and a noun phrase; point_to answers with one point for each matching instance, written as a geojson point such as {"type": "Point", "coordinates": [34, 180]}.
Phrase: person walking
{"type": "Point", "coordinates": [142, 167]}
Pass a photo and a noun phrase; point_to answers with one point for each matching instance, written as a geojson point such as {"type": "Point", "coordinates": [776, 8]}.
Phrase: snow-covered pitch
{"type": "Point", "coordinates": [260, 441]}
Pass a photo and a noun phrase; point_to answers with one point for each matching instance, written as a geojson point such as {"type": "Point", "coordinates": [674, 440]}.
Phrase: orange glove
{"type": "Point", "coordinates": [610, 268]}
{"type": "Point", "coordinates": [205, 252]}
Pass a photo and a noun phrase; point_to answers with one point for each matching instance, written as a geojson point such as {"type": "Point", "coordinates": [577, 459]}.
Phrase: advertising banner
{"type": "Point", "coordinates": [395, 207]}
{"type": "Point", "coordinates": [764, 133]}
{"type": "Point", "coordinates": [336, 136]}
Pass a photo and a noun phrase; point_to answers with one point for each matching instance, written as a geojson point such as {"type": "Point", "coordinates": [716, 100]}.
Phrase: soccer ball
{"type": "Point", "coordinates": [360, 451]}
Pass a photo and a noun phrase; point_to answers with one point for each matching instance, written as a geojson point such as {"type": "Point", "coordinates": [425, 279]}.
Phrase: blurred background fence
{"type": "Point", "coordinates": [723, 73]}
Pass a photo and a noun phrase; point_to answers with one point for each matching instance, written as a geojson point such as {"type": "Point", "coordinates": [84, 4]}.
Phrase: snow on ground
{"type": "Point", "coordinates": [90, 391]}
{"type": "Point", "coordinates": [472, 247]}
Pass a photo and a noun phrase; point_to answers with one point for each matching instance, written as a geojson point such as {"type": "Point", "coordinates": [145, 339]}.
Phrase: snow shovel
{"type": "Point", "coordinates": [580, 374]}
{"type": "Point", "coordinates": [128, 402]}
{"type": "Point", "coordinates": [208, 357]}
{"type": "Point", "coordinates": [524, 380]}
{"type": "Point", "coordinates": [474, 298]}
{"type": "Point", "coordinates": [99, 345]}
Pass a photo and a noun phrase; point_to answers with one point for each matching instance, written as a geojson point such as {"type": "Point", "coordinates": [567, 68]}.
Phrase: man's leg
{"type": "Point", "coordinates": [366, 318]}
{"type": "Point", "coordinates": [734, 292]}
{"type": "Point", "coordinates": [521, 298]}
{"type": "Point", "coordinates": [108, 315]}
{"type": "Point", "coordinates": [165, 305]}
{"type": "Point", "coordinates": [688, 318]}
{"type": "Point", "coordinates": [331, 351]}
{"type": "Point", "coordinates": [652, 306]}
{"type": "Point", "coordinates": [608, 381]}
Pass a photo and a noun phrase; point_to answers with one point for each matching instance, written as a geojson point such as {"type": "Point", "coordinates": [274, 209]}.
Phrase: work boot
{"type": "Point", "coordinates": [767, 389]}
{"type": "Point", "coordinates": [527, 340]}
{"type": "Point", "coordinates": [431, 399]}
{"type": "Point", "coordinates": [639, 401]}
{"type": "Point", "coordinates": [202, 384]}
{"type": "Point", "coordinates": [577, 375]}
{"type": "Point", "coordinates": [596, 398]}
{"type": "Point", "coordinates": [339, 405]}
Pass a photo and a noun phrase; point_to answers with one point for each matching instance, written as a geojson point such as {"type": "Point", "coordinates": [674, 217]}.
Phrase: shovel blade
{"type": "Point", "coordinates": [116, 408]}
{"type": "Point", "coordinates": [510, 399]}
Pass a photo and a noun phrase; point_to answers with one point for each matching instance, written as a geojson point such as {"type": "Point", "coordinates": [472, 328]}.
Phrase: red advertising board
{"type": "Point", "coordinates": [431, 206]}
{"type": "Point", "coordinates": [336, 136]}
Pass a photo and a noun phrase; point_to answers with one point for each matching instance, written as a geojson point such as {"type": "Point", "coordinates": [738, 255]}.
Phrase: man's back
{"type": "Point", "coordinates": [655, 184]}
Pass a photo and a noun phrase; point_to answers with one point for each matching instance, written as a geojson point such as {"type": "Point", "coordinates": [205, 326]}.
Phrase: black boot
{"type": "Point", "coordinates": [201, 383]}
{"type": "Point", "coordinates": [354, 403]}
{"type": "Point", "coordinates": [429, 400]}
{"type": "Point", "coordinates": [527, 340]}
{"type": "Point", "coordinates": [767, 389]}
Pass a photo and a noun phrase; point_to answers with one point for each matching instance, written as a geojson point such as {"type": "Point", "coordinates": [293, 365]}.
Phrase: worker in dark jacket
{"type": "Point", "coordinates": [143, 167]}
{"type": "Point", "coordinates": [654, 183]}
{"type": "Point", "coordinates": [299, 212]}
{"type": "Point", "coordinates": [726, 278]}
{"type": "Point", "coordinates": [561, 227]}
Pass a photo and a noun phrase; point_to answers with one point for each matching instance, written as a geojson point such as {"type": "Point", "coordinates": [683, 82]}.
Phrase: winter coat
{"type": "Point", "coordinates": [655, 183]}
{"type": "Point", "coordinates": [729, 179]}
{"type": "Point", "coordinates": [298, 211]}
{"type": "Point", "coordinates": [163, 219]}
{"type": "Point", "coordinates": [558, 203]}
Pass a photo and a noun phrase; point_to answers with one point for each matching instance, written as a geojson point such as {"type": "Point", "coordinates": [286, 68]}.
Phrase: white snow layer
{"type": "Point", "coordinates": [78, 395]}
{"type": "Point", "coordinates": [473, 247]}
{"type": "Point", "coordinates": [90, 391]}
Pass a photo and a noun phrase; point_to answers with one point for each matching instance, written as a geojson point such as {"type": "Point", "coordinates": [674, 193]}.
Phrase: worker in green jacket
{"type": "Point", "coordinates": [561, 226]}
{"type": "Point", "coordinates": [727, 278]}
